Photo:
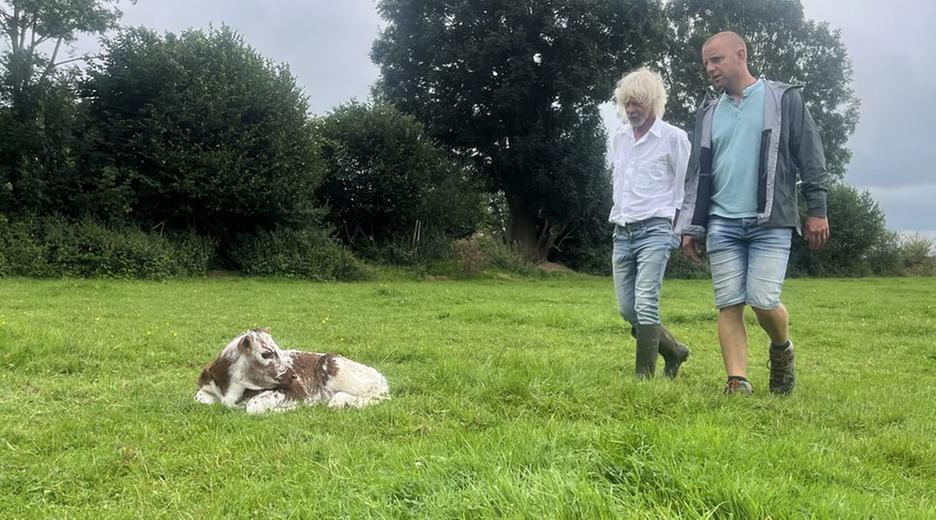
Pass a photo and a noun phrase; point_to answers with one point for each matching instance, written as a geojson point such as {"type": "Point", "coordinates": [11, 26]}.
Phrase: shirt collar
{"type": "Point", "coordinates": [656, 129]}
{"type": "Point", "coordinates": [750, 89]}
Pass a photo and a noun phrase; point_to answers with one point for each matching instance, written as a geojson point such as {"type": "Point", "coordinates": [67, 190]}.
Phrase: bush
{"type": "Point", "coordinates": [917, 253]}
{"type": "Point", "coordinates": [21, 253]}
{"type": "Point", "coordinates": [393, 195]}
{"type": "Point", "coordinates": [308, 253]}
{"type": "Point", "coordinates": [858, 229]}
{"type": "Point", "coordinates": [53, 246]}
{"type": "Point", "coordinates": [485, 250]}
{"type": "Point", "coordinates": [885, 257]}
{"type": "Point", "coordinates": [197, 131]}
{"type": "Point", "coordinates": [470, 258]}
{"type": "Point", "coordinates": [681, 266]}
{"type": "Point", "coordinates": [588, 247]}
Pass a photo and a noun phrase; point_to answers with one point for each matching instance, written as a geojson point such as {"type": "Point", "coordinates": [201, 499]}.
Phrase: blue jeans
{"type": "Point", "coordinates": [641, 251]}
{"type": "Point", "coordinates": [748, 260]}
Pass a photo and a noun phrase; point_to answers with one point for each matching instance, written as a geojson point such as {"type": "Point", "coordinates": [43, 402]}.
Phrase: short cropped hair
{"type": "Point", "coordinates": [642, 86]}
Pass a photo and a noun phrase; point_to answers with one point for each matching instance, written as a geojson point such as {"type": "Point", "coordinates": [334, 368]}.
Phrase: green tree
{"type": "Point", "coordinates": [783, 45]}
{"type": "Point", "coordinates": [199, 131]}
{"type": "Point", "coordinates": [38, 112]}
{"type": "Point", "coordinates": [515, 87]}
{"type": "Point", "coordinates": [386, 181]}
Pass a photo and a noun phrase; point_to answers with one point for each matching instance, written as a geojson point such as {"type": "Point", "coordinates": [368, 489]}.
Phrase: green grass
{"type": "Point", "coordinates": [511, 399]}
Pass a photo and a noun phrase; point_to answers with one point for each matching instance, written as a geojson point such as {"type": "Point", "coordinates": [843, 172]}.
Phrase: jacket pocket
{"type": "Point", "coordinates": [704, 190]}
{"type": "Point", "coordinates": [762, 171]}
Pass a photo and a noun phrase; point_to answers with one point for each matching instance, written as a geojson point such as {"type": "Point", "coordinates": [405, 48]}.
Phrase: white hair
{"type": "Point", "coordinates": [642, 86]}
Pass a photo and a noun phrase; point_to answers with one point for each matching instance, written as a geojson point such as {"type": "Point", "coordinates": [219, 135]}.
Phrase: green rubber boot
{"type": "Point", "coordinates": [648, 348]}
{"type": "Point", "coordinates": [673, 352]}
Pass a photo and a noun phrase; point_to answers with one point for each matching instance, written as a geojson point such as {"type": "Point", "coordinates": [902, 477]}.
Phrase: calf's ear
{"type": "Point", "coordinates": [265, 329]}
{"type": "Point", "coordinates": [245, 344]}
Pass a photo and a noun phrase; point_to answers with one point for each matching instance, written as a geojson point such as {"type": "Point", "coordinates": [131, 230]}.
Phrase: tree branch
{"type": "Point", "coordinates": [10, 29]}
{"type": "Point", "coordinates": [79, 58]}
{"type": "Point", "coordinates": [5, 16]}
{"type": "Point", "coordinates": [23, 26]}
{"type": "Point", "coordinates": [32, 34]}
{"type": "Point", "coordinates": [51, 65]}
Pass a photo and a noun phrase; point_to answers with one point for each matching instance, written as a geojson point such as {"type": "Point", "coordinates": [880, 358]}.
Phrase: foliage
{"type": "Point", "coordinates": [681, 266]}
{"type": "Point", "coordinates": [304, 253]}
{"type": "Point", "coordinates": [54, 247]}
{"type": "Point", "coordinates": [784, 45]}
{"type": "Point", "coordinates": [387, 186]}
{"type": "Point", "coordinates": [858, 226]}
{"type": "Point", "coordinates": [485, 251]}
{"type": "Point", "coordinates": [198, 131]}
{"type": "Point", "coordinates": [39, 116]}
{"type": "Point", "coordinates": [587, 244]}
{"type": "Point", "coordinates": [510, 399]}
{"type": "Point", "coordinates": [910, 255]}
{"type": "Point", "coordinates": [885, 257]}
{"type": "Point", "coordinates": [38, 148]}
{"type": "Point", "coordinates": [28, 27]}
{"type": "Point", "coordinates": [919, 255]}
{"type": "Point", "coordinates": [515, 86]}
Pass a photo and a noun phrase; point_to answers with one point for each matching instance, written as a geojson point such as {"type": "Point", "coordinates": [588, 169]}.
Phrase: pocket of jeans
{"type": "Point", "coordinates": [676, 240]}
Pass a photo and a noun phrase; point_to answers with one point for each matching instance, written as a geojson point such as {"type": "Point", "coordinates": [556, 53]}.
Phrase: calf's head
{"type": "Point", "coordinates": [259, 360]}
{"type": "Point", "coordinates": [251, 361]}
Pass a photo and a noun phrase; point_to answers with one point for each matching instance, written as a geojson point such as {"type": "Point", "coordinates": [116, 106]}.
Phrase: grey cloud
{"type": "Point", "coordinates": [893, 151]}
{"type": "Point", "coordinates": [325, 44]}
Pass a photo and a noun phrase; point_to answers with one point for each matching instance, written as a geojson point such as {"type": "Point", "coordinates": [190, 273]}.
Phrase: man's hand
{"type": "Point", "coordinates": [816, 232]}
{"type": "Point", "coordinates": [690, 246]}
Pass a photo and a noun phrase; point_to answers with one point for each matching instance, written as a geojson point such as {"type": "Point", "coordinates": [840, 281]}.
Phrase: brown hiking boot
{"type": "Point", "coordinates": [736, 386]}
{"type": "Point", "coordinates": [782, 372]}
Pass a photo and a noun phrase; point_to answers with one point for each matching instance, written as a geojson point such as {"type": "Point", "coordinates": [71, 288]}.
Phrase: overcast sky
{"type": "Point", "coordinates": [326, 44]}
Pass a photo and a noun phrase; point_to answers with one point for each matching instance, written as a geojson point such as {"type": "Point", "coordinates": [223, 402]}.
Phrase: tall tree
{"type": "Point", "coordinates": [515, 85]}
{"type": "Point", "coordinates": [784, 45]}
{"type": "Point", "coordinates": [38, 109]}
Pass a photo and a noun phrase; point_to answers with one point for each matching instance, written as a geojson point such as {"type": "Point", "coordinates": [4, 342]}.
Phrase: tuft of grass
{"type": "Point", "coordinates": [512, 398]}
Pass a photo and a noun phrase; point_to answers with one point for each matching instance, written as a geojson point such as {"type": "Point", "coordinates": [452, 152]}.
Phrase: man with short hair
{"type": "Point", "coordinates": [649, 158]}
{"type": "Point", "coordinates": [748, 146]}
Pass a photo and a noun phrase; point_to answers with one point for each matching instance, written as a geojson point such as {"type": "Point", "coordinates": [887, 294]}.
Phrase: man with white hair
{"type": "Point", "coordinates": [749, 146]}
{"type": "Point", "coordinates": [650, 158]}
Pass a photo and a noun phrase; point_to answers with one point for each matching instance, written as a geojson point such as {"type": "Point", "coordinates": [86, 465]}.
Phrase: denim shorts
{"type": "Point", "coordinates": [748, 261]}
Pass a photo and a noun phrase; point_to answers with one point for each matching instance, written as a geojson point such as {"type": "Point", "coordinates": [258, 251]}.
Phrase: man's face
{"type": "Point", "coordinates": [722, 62]}
{"type": "Point", "coordinates": [637, 113]}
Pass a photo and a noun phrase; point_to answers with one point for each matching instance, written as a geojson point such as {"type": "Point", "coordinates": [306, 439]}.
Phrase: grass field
{"type": "Point", "coordinates": [511, 399]}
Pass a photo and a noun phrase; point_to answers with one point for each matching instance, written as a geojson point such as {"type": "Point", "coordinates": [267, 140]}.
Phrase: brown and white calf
{"type": "Point", "coordinates": [254, 373]}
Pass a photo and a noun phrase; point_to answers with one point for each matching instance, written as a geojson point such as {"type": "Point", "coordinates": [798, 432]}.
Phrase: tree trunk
{"type": "Point", "coordinates": [524, 234]}
{"type": "Point", "coordinates": [533, 235]}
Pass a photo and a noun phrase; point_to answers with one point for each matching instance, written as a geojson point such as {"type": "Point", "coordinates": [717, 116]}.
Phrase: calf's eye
{"type": "Point", "coordinates": [266, 355]}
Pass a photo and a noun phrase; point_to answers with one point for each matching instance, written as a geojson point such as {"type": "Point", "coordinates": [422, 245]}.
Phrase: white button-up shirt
{"type": "Point", "coordinates": [648, 174]}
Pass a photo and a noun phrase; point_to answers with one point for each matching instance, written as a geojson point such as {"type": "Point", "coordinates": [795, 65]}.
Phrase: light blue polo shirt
{"type": "Point", "coordinates": [736, 137]}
